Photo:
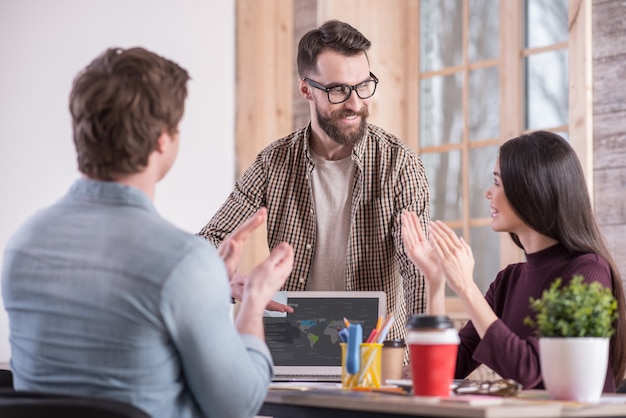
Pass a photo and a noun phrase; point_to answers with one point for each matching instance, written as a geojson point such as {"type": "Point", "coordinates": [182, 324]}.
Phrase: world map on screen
{"type": "Point", "coordinates": [310, 335]}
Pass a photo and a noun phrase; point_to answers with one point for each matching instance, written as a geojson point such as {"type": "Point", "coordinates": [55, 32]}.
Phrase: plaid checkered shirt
{"type": "Point", "coordinates": [389, 178]}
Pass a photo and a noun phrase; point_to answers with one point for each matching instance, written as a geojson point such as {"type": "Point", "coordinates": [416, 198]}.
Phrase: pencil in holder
{"type": "Point", "coordinates": [369, 373]}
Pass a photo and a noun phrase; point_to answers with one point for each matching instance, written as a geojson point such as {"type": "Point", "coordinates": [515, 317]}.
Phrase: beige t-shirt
{"type": "Point", "coordinates": [332, 195]}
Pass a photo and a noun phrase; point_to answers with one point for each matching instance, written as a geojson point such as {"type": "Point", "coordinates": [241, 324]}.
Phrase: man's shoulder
{"type": "Point", "coordinates": [35, 226]}
{"type": "Point", "coordinates": [173, 237]}
{"type": "Point", "coordinates": [295, 140]}
{"type": "Point", "coordinates": [383, 138]}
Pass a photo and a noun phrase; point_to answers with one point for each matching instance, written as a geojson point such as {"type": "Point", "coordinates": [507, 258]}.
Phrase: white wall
{"type": "Point", "coordinates": [43, 44]}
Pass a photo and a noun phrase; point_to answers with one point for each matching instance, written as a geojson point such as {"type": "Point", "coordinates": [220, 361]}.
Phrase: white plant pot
{"type": "Point", "coordinates": [574, 368]}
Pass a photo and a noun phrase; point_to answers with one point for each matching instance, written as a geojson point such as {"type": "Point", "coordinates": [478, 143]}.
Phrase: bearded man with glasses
{"type": "Point", "coordinates": [336, 188]}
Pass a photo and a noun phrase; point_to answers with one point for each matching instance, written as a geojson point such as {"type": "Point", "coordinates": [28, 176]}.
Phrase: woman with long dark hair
{"type": "Point", "coordinates": [539, 196]}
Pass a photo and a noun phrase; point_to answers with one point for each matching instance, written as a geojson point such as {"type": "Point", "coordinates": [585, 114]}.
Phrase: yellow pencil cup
{"type": "Point", "coordinates": [369, 367]}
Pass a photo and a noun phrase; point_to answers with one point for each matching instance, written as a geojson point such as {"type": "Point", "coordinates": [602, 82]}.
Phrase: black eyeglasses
{"type": "Point", "coordinates": [502, 387]}
{"type": "Point", "coordinates": [340, 93]}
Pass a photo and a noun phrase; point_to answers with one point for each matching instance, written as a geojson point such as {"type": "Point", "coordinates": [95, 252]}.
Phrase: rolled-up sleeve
{"type": "Point", "coordinates": [227, 373]}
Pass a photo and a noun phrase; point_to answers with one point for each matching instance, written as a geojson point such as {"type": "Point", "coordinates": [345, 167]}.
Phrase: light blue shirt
{"type": "Point", "coordinates": [105, 298]}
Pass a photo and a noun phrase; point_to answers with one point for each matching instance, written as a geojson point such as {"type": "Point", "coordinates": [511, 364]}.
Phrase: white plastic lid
{"type": "Point", "coordinates": [439, 336]}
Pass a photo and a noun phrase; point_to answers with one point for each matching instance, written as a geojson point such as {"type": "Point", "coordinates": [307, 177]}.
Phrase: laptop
{"type": "Point", "coordinates": [305, 344]}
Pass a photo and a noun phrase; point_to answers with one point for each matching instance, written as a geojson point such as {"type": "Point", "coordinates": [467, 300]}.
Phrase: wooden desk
{"type": "Point", "coordinates": [345, 404]}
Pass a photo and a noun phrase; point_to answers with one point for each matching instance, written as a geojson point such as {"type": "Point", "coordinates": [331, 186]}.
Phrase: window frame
{"type": "Point", "coordinates": [510, 64]}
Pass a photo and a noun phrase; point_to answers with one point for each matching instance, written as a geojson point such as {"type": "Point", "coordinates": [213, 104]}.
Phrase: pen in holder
{"type": "Point", "coordinates": [368, 375]}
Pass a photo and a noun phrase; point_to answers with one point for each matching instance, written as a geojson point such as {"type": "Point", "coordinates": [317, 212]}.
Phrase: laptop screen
{"type": "Point", "coordinates": [306, 342]}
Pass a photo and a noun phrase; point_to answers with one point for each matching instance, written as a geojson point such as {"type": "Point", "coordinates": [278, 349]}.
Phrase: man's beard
{"type": "Point", "coordinates": [341, 136]}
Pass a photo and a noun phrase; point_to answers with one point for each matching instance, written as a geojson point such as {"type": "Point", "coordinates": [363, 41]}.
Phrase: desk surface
{"type": "Point", "coordinates": [329, 403]}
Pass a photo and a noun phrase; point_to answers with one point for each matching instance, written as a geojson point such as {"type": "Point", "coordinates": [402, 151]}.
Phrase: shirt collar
{"type": "Point", "coordinates": [361, 146]}
{"type": "Point", "coordinates": [110, 192]}
{"type": "Point", "coordinates": [307, 140]}
{"type": "Point", "coordinates": [357, 151]}
{"type": "Point", "coordinates": [555, 251]}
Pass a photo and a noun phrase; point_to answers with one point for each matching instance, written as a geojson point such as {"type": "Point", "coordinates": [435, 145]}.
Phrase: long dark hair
{"type": "Point", "coordinates": [548, 192]}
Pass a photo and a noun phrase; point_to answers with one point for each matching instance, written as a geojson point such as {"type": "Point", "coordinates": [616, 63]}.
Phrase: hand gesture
{"type": "Point", "coordinates": [262, 283]}
{"type": "Point", "coordinates": [230, 250]}
{"type": "Point", "coordinates": [418, 248]}
{"type": "Point", "coordinates": [269, 276]}
{"type": "Point", "coordinates": [454, 256]}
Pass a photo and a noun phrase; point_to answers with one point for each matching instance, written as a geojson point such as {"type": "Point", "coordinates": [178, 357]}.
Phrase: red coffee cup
{"type": "Point", "coordinates": [433, 345]}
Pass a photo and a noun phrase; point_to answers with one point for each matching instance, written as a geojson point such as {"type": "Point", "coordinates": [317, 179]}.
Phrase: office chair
{"type": "Point", "coordinates": [22, 404]}
{"type": "Point", "coordinates": [6, 378]}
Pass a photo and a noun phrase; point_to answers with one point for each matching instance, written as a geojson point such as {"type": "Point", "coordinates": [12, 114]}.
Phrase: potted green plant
{"type": "Point", "coordinates": [574, 323]}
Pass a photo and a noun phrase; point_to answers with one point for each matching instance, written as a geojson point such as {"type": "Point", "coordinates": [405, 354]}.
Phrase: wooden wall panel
{"type": "Point", "coordinates": [610, 184]}
{"type": "Point", "coordinates": [608, 25]}
{"type": "Point", "coordinates": [264, 75]}
{"type": "Point", "coordinates": [609, 56]}
{"type": "Point", "coordinates": [610, 141]}
{"type": "Point", "coordinates": [609, 103]}
{"type": "Point", "coordinates": [609, 75]}
{"type": "Point", "coordinates": [615, 241]}
{"type": "Point", "coordinates": [265, 84]}
{"type": "Point", "coordinates": [305, 19]}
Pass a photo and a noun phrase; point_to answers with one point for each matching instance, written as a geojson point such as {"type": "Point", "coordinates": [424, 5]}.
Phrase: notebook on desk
{"type": "Point", "coordinates": [305, 344]}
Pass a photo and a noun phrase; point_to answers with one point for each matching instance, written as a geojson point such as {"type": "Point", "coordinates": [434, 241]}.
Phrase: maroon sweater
{"type": "Point", "coordinates": [509, 347]}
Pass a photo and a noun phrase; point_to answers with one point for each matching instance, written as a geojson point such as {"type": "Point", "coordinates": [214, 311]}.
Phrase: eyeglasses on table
{"type": "Point", "coordinates": [501, 387]}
